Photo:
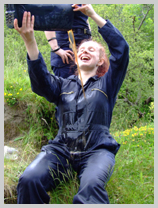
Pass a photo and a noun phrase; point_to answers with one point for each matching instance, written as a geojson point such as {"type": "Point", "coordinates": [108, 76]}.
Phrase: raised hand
{"type": "Point", "coordinates": [86, 9]}
{"type": "Point", "coordinates": [27, 34]}
{"type": "Point", "coordinates": [26, 31]}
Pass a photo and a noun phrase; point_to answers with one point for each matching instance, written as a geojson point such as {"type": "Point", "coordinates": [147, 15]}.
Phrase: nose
{"type": "Point", "coordinates": [84, 50]}
{"type": "Point", "coordinates": [81, 52]}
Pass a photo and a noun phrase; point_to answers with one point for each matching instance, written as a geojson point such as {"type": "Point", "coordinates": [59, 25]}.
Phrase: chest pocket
{"type": "Point", "coordinates": [67, 93]}
{"type": "Point", "coordinates": [97, 100]}
{"type": "Point", "coordinates": [100, 91]}
{"type": "Point", "coordinates": [97, 106]}
{"type": "Point", "coordinates": [68, 102]}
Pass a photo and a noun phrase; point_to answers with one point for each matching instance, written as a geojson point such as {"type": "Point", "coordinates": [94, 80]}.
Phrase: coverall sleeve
{"type": "Point", "coordinates": [119, 58]}
{"type": "Point", "coordinates": [43, 82]}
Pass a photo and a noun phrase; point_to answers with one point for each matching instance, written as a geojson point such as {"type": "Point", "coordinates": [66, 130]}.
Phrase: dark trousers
{"type": "Point", "coordinates": [43, 174]}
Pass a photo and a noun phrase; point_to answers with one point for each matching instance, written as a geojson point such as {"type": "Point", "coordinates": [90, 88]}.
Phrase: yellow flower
{"type": "Point", "coordinates": [135, 128]}
{"type": "Point", "coordinates": [24, 70]}
{"type": "Point", "coordinates": [11, 86]}
{"type": "Point", "coordinates": [5, 94]}
{"type": "Point", "coordinates": [17, 93]}
{"type": "Point", "coordinates": [9, 94]}
{"type": "Point", "coordinates": [20, 89]}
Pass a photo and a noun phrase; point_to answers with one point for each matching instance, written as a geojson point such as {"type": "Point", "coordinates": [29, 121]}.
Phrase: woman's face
{"type": "Point", "coordinates": [88, 56]}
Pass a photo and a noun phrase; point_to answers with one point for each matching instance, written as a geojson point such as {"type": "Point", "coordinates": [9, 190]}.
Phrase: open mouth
{"type": "Point", "coordinates": [85, 58]}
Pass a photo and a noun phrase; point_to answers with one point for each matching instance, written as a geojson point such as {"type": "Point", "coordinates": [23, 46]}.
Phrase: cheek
{"type": "Point", "coordinates": [98, 56]}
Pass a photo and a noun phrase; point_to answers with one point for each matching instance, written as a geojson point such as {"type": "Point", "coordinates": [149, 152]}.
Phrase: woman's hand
{"type": "Point", "coordinates": [86, 9]}
{"type": "Point", "coordinates": [27, 34]}
{"type": "Point", "coordinates": [26, 31]}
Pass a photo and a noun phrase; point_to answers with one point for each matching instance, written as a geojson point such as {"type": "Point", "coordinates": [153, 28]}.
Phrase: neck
{"type": "Point", "coordinates": [86, 75]}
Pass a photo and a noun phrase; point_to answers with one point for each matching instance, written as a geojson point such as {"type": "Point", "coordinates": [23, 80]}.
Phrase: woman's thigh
{"type": "Point", "coordinates": [97, 167]}
{"type": "Point", "coordinates": [49, 168]}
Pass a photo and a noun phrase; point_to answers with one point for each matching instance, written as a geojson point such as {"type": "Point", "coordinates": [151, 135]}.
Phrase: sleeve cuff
{"type": "Point", "coordinates": [39, 56]}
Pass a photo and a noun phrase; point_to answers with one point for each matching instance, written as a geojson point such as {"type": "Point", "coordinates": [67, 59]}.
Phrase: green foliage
{"type": "Point", "coordinates": [150, 113]}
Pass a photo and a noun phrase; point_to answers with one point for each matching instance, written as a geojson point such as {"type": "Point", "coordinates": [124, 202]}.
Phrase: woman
{"type": "Point", "coordinates": [83, 141]}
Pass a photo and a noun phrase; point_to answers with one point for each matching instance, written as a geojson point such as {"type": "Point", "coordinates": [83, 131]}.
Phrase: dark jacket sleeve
{"type": "Point", "coordinates": [119, 58]}
{"type": "Point", "coordinates": [42, 82]}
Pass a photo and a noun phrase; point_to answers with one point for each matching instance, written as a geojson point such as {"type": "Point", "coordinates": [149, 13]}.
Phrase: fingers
{"type": "Point", "coordinates": [23, 22]}
{"type": "Point", "coordinates": [66, 56]}
{"type": "Point", "coordinates": [69, 51]}
{"type": "Point", "coordinates": [78, 8]}
{"type": "Point", "coordinates": [69, 55]}
{"type": "Point", "coordinates": [27, 21]}
{"type": "Point", "coordinates": [75, 5]}
{"type": "Point", "coordinates": [32, 22]}
{"type": "Point", "coordinates": [24, 19]}
{"type": "Point", "coordinates": [16, 24]}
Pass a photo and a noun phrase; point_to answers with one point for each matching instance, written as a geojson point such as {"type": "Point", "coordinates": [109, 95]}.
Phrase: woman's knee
{"type": "Point", "coordinates": [27, 178]}
{"type": "Point", "coordinates": [92, 191]}
{"type": "Point", "coordinates": [33, 172]}
{"type": "Point", "coordinates": [91, 182]}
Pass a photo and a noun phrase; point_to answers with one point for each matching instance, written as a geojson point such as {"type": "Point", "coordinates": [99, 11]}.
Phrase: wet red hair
{"type": "Point", "coordinates": [102, 69]}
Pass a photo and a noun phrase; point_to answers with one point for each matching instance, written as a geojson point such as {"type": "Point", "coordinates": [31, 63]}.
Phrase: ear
{"type": "Point", "coordinates": [101, 61]}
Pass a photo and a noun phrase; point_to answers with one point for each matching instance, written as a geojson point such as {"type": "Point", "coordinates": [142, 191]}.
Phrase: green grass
{"type": "Point", "coordinates": [132, 181]}
{"type": "Point", "coordinates": [14, 168]}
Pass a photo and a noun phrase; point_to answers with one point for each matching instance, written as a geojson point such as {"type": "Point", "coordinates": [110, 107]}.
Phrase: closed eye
{"type": "Point", "coordinates": [81, 49]}
{"type": "Point", "coordinates": [91, 49]}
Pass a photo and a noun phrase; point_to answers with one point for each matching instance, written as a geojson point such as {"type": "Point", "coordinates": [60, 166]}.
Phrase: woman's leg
{"type": "Point", "coordinates": [95, 172]}
{"type": "Point", "coordinates": [43, 174]}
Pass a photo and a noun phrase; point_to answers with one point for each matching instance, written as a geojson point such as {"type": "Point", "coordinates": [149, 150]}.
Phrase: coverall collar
{"type": "Point", "coordinates": [75, 78]}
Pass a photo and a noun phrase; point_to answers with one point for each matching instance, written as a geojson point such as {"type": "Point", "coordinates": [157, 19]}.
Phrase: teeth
{"type": "Point", "coordinates": [85, 58]}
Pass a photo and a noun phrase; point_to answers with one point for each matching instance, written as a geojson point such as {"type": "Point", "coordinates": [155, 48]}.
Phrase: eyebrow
{"type": "Point", "coordinates": [84, 47]}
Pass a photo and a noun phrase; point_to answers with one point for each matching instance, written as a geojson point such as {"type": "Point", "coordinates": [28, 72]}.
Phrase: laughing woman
{"type": "Point", "coordinates": [83, 142]}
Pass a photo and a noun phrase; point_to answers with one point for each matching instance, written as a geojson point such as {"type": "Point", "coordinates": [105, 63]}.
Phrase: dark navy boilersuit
{"type": "Point", "coordinates": [59, 68]}
{"type": "Point", "coordinates": [83, 141]}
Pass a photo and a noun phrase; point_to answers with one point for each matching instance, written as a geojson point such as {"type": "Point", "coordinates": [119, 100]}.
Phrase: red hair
{"type": "Point", "coordinates": [102, 69]}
